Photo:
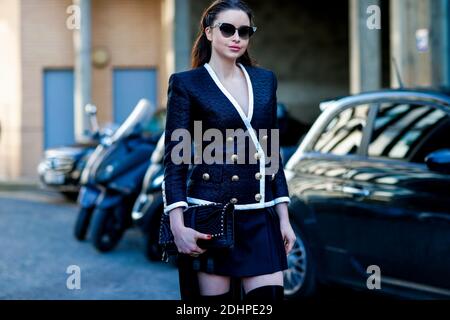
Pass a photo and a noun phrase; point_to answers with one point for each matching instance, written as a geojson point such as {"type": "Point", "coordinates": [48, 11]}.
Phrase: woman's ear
{"type": "Point", "coordinates": [208, 33]}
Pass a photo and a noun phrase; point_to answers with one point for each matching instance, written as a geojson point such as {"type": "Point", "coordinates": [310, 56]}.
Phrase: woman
{"type": "Point", "coordinates": [224, 90]}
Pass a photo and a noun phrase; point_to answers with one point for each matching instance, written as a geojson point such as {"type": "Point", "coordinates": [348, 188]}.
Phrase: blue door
{"type": "Point", "coordinates": [131, 85]}
{"type": "Point", "coordinates": [58, 108]}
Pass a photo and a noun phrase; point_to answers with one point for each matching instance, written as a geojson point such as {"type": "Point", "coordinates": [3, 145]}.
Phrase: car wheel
{"type": "Point", "coordinates": [299, 278]}
{"type": "Point", "coordinates": [82, 223]}
{"type": "Point", "coordinates": [107, 230]}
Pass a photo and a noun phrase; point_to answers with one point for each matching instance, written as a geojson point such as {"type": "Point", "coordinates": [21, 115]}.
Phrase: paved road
{"type": "Point", "coordinates": [37, 246]}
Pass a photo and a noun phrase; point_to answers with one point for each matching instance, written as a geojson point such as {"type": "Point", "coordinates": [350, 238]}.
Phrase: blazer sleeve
{"type": "Point", "coordinates": [280, 187]}
{"type": "Point", "coordinates": [178, 116]}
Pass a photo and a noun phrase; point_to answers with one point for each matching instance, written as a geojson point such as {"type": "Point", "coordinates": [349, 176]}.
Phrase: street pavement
{"type": "Point", "coordinates": [37, 247]}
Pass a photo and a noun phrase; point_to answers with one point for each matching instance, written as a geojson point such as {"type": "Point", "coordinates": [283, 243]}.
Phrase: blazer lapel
{"type": "Point", "coordinates": [230, 97]}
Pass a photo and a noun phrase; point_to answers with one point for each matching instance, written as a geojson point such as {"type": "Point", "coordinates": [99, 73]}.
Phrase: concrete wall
{"type": "Point", "coordinates": [305, 43]}
{"type": "Point", "coordinates": [421, 68]}
{"type": "Point", "coordinates": [10, 86]}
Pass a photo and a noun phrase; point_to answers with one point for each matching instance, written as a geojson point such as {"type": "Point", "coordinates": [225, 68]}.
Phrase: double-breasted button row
{"type": "Point", "coordinates": [258, 197]}
{"type": "Point", "coordinates": [231, 139]}
{"type": "Point", "coordinates": [234, 157]}
{"type": "Point", "coordinates": [258, 176]}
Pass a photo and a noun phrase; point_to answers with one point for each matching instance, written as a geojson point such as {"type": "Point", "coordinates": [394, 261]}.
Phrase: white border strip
{"type": "Point", "coordinates": [244, 206]}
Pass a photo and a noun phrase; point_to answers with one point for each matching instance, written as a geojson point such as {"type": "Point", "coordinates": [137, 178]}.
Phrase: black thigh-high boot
{"type": "Point", "coordinates": [189, 288]}
{"type": "Point", "coordinates": [265, 294]}
{"type": "Point", "coordinates": [221, 298]}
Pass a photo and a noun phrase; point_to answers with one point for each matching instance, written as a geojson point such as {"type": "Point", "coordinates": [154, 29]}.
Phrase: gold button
{"type": "Point", "coordinates": [258, 176]}
{"type": "Point", "coordinates": [206, 176]}
{"type": "Point", "coordinates": [234, 157]}
{"type": "Point", "coordinates": [257, 156]}
{"type": "Point", "coordinates": [273, 176]}
{"type": "Point", "coordinates": [234, 200]}
{"type": "Point", "coordinates": [258, 197]}
{"type": "Point", "coordinates": [235, 178]}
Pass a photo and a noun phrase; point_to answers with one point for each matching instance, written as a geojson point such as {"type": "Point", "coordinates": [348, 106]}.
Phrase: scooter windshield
{"type": "Point", "coordinates": [136, 121]}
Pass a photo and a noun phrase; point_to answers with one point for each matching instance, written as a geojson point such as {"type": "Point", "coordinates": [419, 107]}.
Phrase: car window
{"type": "Point", "coordinates": [408, 132]}
{"type": "Point", "coordinates": [343, 134]}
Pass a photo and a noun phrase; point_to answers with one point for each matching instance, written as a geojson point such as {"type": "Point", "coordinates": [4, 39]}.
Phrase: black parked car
{"type": "Point", "coordinates": [370, 190]}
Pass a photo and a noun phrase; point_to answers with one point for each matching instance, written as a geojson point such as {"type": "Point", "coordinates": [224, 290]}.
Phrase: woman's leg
{"type": "Point", "coordinates": [211, 284]}
{"type": "Point", "coordinates": [268, 287]}
{"type": "Point", "coordinates": [214, 288]}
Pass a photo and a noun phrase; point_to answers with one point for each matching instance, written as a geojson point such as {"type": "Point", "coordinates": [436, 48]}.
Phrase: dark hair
{"type": "Point", "coordinates": [201, 52]}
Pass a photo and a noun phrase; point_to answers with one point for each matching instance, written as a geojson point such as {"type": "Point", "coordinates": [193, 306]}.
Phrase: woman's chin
{"type": "Point", "coordinates": [233, 55]}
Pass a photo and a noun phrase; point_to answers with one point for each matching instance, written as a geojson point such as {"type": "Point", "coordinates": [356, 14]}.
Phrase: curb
{"type": "Point", "coordinates": [18, 185]}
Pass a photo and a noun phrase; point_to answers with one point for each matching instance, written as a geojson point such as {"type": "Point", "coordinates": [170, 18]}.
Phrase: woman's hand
{"type": "Point", "coordinates": [285, 226]}
{"type": "Point", "coordinates": [185, 238]}
{"type": "Point", "coordinates": [288, 236]}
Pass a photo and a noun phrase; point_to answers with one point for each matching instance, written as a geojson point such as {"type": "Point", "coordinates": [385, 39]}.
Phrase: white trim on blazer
{"type": "Point", "coordinates": [246, 120]}
{"type": "Point", "coordinates": [245, 206]}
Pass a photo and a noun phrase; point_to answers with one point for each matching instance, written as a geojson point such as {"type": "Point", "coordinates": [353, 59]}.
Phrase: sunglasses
{"type": "Point", "coordinates": [228, 30]}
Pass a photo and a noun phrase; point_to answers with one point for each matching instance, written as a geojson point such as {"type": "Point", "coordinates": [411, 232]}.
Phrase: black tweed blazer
{"type": "Point", "coordinates": [250, 173]}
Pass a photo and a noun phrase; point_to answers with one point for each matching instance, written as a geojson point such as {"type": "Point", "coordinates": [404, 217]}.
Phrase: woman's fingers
{"type": "Point", "coordinates": [196, 251]}
{"type": "Point", "coordinates": [288, 243]}
{"type": "Point", "coordinates": [203, 236]}
{"type": "Point", "coordinates": [199, 250]}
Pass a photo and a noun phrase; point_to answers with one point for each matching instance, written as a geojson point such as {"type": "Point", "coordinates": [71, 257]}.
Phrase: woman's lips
{"type": "Point", "coordinates": [235, 48]}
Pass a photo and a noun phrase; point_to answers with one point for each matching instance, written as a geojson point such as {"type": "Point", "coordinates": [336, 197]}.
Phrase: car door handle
{"type": "Point", "coordinates": [434, 216]}
{"type": "Point", "coordinates": [359, 192]}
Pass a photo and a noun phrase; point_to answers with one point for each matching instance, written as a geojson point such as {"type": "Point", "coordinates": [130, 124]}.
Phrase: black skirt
{"type": "Point", "coordinates": [258, 248]}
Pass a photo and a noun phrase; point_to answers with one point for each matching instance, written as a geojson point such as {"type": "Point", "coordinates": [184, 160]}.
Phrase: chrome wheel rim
{"type": "Point", "coordinates": [294, 276]}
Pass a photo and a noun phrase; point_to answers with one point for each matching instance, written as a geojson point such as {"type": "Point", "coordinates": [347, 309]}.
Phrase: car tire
{"type": "Point", "coordinates": [107, 230]}
{"type": "Point", "coordinates": [82, 223]}
{"type": "Point", "coordinates": [300, 277]}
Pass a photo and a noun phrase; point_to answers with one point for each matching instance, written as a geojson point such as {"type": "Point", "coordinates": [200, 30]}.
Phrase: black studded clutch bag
{"type": "Point", "coordinates": [215, 219]}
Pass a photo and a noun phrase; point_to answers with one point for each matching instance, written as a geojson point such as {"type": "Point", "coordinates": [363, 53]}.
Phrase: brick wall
{"type": "Point", "coordinates": [129, 30]}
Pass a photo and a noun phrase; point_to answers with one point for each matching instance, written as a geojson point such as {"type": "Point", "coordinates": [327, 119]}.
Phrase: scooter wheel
{"type": "Point", "coordinates": [152, 248]}
{"type": "Point", "coordinates": [82, 223]}
{"type": "Point", "coordinates": [107, 230]}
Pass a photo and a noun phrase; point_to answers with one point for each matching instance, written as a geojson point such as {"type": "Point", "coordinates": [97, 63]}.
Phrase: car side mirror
{"type": "Point", "coordinates": [439, 161]}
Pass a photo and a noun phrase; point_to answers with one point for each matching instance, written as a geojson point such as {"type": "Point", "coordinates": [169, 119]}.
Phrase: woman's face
{"type": "Point", "coordinates": [220, 44]}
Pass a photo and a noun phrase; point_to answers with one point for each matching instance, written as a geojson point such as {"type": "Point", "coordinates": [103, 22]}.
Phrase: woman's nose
{"type": "Point", "coordinates": [236, 37]}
